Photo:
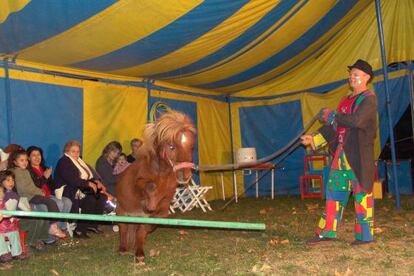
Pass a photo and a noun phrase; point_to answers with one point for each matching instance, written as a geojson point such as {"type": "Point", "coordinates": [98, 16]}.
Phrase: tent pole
{"type": "Point", "coordinates": [388, 100]}
{"type": "Point", "coordinates": [148, 100]}
{"type": "Point", "coordinates": [231, 141]}
{"type": "Point", "coordinates": [411, 89]}
{"type": "Point", "coordinates": [8, 100]}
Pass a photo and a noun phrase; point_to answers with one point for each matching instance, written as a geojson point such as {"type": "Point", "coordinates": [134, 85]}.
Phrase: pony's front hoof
{"type": "Point", "coordinates": [140, 260]}
{"type": "Point", "coordinates": [123, 252]}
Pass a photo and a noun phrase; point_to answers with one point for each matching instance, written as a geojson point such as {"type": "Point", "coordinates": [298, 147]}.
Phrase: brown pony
{"type": "Point", "coordinates": [148, 185]}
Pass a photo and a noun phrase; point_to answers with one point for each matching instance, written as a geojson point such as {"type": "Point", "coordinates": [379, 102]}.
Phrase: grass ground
{"type": "Point", "coordinates": [280, 250]}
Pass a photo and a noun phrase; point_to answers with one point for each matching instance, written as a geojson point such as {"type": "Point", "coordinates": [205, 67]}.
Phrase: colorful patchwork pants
{"type": "Point", "coordinates": [341, 182]}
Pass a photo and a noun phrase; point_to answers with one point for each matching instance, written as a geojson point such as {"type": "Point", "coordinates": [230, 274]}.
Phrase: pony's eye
{"type": "Point", "coordinates": [172, 147]}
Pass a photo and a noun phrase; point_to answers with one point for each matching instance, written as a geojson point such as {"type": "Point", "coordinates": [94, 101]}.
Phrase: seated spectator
{"type": "Point", "coordinates": [37, 229]}
{"type": "Point", "coordinates": [121, 164]}
{"type": "Point", "coordinates": [8, 150]}
{"type": "Point", "coordinates": [42, 177]}
{"type": "Point", "coordinates": [83, 188]}
{"type": "Point", "coordinates": [8, 229]}
{"type": "Point", "coordinates": [26, 188]}
{"type": "Point", "coordinates": [105, 165]}
{"type": "Point", "coordinates": [3, 160]}
{"type": "Point", "coordinates": [135, 145]}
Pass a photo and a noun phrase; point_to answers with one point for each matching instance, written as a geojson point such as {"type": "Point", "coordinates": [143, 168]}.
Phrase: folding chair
{"type": "Point", "coordinates": [178, 199]}
{"type": "Point", "coordinates": [189, 196]}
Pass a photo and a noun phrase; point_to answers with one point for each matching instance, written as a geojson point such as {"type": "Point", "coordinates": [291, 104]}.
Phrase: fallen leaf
{"type": "Point", "coordinates": [273, 242]}
{"type": "Point", "coordinates": [265, 268]}
{"type": "Point", "coordinates": [378, 230]}
{"type": "Point", "coordinates": [294, 213]}
{"type": "Point", "coordinates": [385, 209]}
{"type": "Point", "coordinates": [313, 207]}
{"type": "Point", "coordinates": [262, 211]}
{"type": "Point", "coordinates": [284, 242]}
{"type": "Point", "coordinates": [348, 272]}
{"type": "Point", "coordinates": [54, 272]}
{"type": "Point", "coordinates": [154, 253]}
{"type": "Point", "coordinates": [183, 232]}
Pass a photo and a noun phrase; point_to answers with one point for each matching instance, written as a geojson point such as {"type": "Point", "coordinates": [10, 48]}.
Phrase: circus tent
{"type": "Point", "coordinates": [249, 73]}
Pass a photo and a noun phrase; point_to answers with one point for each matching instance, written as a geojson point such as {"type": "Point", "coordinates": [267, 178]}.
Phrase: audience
{"type": "Point", "coordinates": [105, 165]}
{"type": "Point", "coordinates": [37, 229]}
{"type": "Point", "coordinates": [3, 160]}
{"type": "Point", "coordinates": [83, 187]}
{"type": "Point", "coordinates": [42, 177]}
{"type": "Point", "coordinates": [135, 145]}
{"type": "Point", "coordinates": [26, 188]}
{"type": "Point", "coordinates": [8, 229]}
{"type": "Point", "coordinates": [121, 164]}
{"type": "Point", "coordinates": [26, 183]}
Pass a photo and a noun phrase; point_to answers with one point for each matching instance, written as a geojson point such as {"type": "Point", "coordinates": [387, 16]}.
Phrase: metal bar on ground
{"type": "Point", "coordinates": [142, 220]}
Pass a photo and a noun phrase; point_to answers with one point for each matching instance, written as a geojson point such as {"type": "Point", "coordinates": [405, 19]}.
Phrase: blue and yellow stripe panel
{"type": "Point", "coordinates": [247, 48]}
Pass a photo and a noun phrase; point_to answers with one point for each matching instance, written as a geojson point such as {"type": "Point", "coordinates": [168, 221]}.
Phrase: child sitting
{"type": "Point", "coordinates": [121, 164]}
{"type": "Point", "coordinates": [26, 188]}
{"type": "Point", "coordinates": [37, 229]}
{"type": "Point", "coordinates": [8, 226]}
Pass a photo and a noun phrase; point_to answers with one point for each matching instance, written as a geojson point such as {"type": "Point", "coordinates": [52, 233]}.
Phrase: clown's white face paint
{"type": "Point", "coordinates": [357, 79]}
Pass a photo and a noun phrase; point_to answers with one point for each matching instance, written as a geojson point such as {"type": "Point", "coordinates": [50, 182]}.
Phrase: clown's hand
{"type": "Point", "coordinates": [327, 116]}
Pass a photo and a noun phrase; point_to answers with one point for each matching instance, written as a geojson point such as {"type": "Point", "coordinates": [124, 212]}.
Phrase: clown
{"type": "Point", "coordinates": [349, 132]}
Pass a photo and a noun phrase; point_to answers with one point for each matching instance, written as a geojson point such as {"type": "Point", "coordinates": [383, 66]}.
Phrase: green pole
{"type": "Point", "coordinates": [142, 220]}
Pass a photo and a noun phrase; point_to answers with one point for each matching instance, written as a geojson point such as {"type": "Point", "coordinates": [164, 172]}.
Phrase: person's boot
{"type": "Point", "coordinates": [5, 258]}
{"type": "Point", "coordinates": [359, 242]}
{"type": "Point", "coordinates": [317, 239]}
{"type": "Point", "coordinates": [54, 230]}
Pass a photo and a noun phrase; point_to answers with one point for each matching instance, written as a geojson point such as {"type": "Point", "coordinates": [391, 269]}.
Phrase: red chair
{"type": "Point", "coordinates": [312, 181]}
{"type": "Point", "coordinates": [23, 235]}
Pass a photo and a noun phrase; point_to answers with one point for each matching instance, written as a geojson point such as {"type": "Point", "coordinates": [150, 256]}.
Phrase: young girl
{"type": "Point", "coordinates": [26, 188]}
{"type": "Point", "coordinates": [37, 229]}
{"type": "Point", "coordinates": [8, 226]}
{"type": "Point", "coordinates": [121, 164]}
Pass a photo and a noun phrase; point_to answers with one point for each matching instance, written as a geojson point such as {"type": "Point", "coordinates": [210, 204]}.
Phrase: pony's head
{"type": "Point", "coordinates": [171, 138]}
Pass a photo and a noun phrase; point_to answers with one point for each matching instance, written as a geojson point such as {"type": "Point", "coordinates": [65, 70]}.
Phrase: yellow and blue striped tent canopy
{"type": "Point", "coordinates": [241, 47]}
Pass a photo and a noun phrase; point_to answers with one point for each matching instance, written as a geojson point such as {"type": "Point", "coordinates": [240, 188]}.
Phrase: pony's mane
{"type": "Point", "coordinates": [164, 130]}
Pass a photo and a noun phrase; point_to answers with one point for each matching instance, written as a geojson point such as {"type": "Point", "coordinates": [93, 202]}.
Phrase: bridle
{"type": "Point", "coordinates": [179, 166]}
{"type": "Point", "coordinates": [176, 166]}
